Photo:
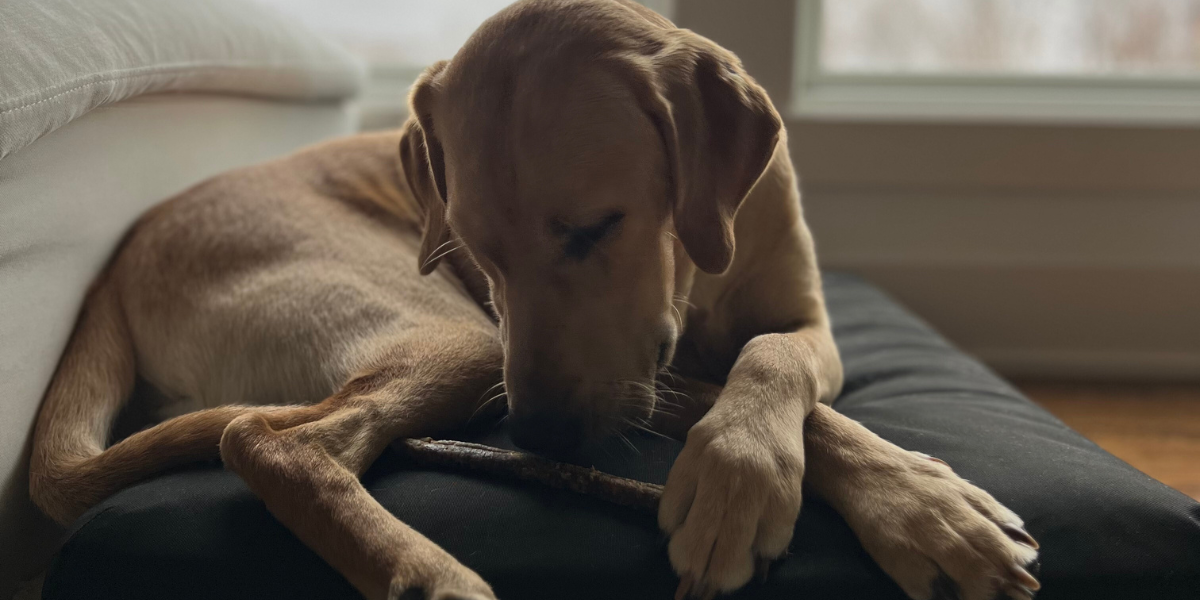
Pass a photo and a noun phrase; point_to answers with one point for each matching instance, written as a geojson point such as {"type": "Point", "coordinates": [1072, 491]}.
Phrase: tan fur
{"type": "Point", "coordinates": [285, 303]}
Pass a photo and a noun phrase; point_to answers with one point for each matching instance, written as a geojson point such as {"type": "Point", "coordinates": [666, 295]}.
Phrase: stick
{"type": "Point", "coordinates": [529, 467]}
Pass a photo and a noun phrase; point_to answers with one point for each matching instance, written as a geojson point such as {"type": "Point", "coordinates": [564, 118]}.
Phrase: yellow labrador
{"type": "Point", "coordinates": [606, 195]}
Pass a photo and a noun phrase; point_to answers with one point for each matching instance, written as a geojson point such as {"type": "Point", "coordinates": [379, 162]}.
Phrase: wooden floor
{"type": "Point", "coordinates": [1155, 428]}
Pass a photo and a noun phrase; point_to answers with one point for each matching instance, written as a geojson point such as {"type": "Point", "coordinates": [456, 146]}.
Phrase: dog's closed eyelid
{"type": "Point", "coordinates": [581, 240]}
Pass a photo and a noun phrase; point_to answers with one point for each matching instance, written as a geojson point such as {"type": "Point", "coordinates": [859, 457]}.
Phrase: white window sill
{"type": "Point", "coordinates": [1060, 101]}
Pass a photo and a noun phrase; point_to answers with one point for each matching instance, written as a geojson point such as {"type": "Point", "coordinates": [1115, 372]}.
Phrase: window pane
{"type": "Point", "coordinates": [403, 32]}
{"type": "Point", "coordinates": [1012, 37]}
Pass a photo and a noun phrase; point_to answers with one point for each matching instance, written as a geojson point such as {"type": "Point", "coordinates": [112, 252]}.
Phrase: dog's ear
{"type": "Point", "coordinates": [425, 168]}
{"type": "Point", "coordinates": [720, 131]}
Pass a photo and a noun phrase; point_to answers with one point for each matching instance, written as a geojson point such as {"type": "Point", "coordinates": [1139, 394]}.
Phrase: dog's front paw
{"type": "Point", "coordinates": [730, 504]}
{"type": "Point", "coordinates": [939, 537]}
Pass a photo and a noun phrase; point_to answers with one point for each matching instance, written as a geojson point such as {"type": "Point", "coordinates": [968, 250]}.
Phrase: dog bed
{"type": "Point", "coordinates": [1106, 530]}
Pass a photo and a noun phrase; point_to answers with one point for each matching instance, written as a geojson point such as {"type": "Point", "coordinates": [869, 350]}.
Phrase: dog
{"type": "Point", "coordinates": [583, 197]}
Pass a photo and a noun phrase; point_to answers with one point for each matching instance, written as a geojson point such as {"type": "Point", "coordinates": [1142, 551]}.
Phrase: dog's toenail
{"type": "Point", "coordinates": [1025, 579]}
{"type": "Point", "coordinates": [1020, 535]}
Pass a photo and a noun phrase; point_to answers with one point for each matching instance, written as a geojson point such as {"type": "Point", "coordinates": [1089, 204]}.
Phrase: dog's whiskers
{"type": "Point", "coordinates": [663, 388]}
{"type": "Point", "coordinates": [667, 411]}
{"type": "Point", "coordinates": [621, 436]}
{"type": "Point", "coordinates": [489, 402]}
{"type": "Point", "coordinates": [642, 386]}
{"type": "Point", "coordinates": [636, 402]}
{"type": "Point", "coordinates": [435, 257]}
{"type": "Point", "coordinates": [443, 254]}
{"type": "Point", "coordinates": [680, 298]}
{"type": "Point", "coordinates": [666, 407]}
{"type": "Point", "coordinates": [644, 427]}
{"type": "Point", "coordinates": [442, 245]}
{"type": "Point", "coordinates": [489, 390]}
{"type": "Point", "coordinates": [667, 371]}
{"type": "Point", "coordinates": [674, 393]}
{"type": "Point", "coordinates": [481, 407]}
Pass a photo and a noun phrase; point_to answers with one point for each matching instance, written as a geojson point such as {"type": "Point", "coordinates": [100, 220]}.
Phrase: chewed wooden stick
{"type": "Point", "coordinates": [528, 467]}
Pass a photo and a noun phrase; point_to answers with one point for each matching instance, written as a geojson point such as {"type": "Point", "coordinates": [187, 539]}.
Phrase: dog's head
{"type": "Point", "coordinates": [589, 156]}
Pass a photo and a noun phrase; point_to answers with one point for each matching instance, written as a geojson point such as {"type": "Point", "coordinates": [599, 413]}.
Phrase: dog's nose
{"type": "Point", "coordinates": [545, 433]}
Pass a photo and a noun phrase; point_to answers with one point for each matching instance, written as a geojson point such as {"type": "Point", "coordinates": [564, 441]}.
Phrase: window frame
{"type": "Point", "coordinates": [1084, 99]}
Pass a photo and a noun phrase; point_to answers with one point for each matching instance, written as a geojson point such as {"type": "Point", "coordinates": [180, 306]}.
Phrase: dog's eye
{"type": "Point", "coordinates": [581, 240]}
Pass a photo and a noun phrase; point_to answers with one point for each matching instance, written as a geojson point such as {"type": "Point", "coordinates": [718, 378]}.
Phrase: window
{"type": "Point", "coordinates": [1112, 61]}
{"type": "Point", "coordinates": [1033, 37]}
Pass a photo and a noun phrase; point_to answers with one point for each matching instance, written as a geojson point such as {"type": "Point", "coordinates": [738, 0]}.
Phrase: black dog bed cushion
{"type": "Point", "coordinates": [1106, 530]}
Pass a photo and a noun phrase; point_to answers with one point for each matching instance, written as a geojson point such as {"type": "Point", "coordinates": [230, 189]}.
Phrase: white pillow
{"type": "Point", "coordinates": [61, 58]}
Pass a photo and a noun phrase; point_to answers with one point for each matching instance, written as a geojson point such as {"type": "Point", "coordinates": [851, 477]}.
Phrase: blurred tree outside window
{"type": "Point", "coordinates": [1158, 38]}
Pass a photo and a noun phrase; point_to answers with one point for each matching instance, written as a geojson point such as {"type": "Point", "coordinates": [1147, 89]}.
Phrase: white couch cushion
{"type": "Point", "coordinates": [61, 58]}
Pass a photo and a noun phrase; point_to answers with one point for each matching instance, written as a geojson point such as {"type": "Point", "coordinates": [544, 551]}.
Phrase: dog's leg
{"type": "Point", "coordinates": [308, 475]}
{"type": "Point", "coordinates": [734, 493]}
{"type": "Point", "coordinates": [934, 533]}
